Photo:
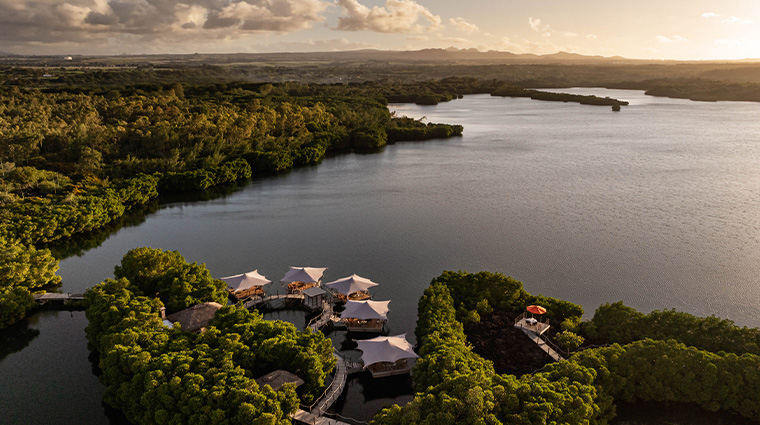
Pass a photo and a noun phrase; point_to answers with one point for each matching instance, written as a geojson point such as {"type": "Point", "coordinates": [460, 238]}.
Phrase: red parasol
{"type": "Point", "coordinates": [536, 309]}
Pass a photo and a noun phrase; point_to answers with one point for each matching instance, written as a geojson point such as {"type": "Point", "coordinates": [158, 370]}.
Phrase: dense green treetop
{"type": "Point", "coordinates": [455, 385]}
{"type": "Point", "coordinates": [167, 276]}
{"type": "Point", "coordinates": [158, 375]}
{"type": "Point", "coordinates": [480, 292]}
{"type": "Point", "coordinates": [23, 270]}
{"type": "Point", "coordinates": [619, 323]}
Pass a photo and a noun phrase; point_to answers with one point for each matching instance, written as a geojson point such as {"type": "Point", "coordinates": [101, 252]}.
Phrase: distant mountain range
{"type": "Point", "coordinates": [450, 55]}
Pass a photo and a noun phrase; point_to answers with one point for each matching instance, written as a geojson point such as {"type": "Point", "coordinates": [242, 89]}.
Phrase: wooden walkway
{"type": "Point", "coordinates": [333, 391]}
{"type": "Point", "coordinates": [315, 412]}
{"type": "Point", "coordinates": [257, 301]}
{"type": "Point", "coordinates": [305, 417]}
{"type": "Point", "coordinates": [543, 345]}
{"type": "Point", "coordinates": [53, 296]}
{"type": "Point", "coordinates": [533, 329]}
{"type": "Point", "coordinates": [323, 319]}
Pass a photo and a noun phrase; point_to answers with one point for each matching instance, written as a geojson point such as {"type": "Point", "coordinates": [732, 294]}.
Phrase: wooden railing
{"type": "Point", "coordinates": [268, 298]}
{"type": "Point", "coordinates": [333, 391]}
{"type": "Point", "coordinates": [317, 322]}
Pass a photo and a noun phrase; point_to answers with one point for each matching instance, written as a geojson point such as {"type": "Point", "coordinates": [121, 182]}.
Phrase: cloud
{"type": "Point", "coordinates": [463, 25]}
{"type": "Point", "coordinates": [546, 30]}
{"type": "Point", "coordinates": [591, 36]}
{"type": "Point", "coordinates": [92, 21]}
{"type": "Point", "coordinates": [535, 24]}
{"type": "Point", "coordinates": [398, 16]}
{"type": "Point", "coordinates": [672, 39]}
{"type": "Point", "coordinates": [731, 20]}
{"type": "Point", "coordinates": [736, 20]}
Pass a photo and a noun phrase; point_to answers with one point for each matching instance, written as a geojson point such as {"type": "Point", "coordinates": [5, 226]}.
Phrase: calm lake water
{"type": "Point", "coordinates": [656, 205]}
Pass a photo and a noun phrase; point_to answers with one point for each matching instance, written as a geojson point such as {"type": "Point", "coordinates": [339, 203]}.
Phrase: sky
{"type": "Point", "coordinates": [647, 29]}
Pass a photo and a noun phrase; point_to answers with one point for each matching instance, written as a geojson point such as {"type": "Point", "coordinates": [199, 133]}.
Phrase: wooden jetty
{"type": "Point", "coordinates": [57, 297]}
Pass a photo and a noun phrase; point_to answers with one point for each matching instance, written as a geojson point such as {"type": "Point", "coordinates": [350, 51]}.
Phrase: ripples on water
{"type": "Point", "coordinates": [656, 205]}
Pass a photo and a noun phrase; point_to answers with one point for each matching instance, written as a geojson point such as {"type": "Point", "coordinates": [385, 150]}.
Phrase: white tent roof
{"type": "Point", "coordinates": [243, 281]}
{"type": "Point", "coordinates": [365, 310]}
{"type": "Point", "coordinates": [303, 274]}
{"type": "Point", "coordinates": [386, 349]}
{"type": "Point", "coordinates": [351, 284]}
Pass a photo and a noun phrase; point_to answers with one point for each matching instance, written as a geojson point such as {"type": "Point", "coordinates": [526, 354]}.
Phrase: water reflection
{"type": "Point", "coordinates": [81, 243]}
{"type": "Point", "coordinates": [290, 314]}
{"type": "Point", "coordinates": [364, 395]}
{"type": "Point", "coordinates": [650, 413]}
{"type": "Point", "coordinates": [16, 338]}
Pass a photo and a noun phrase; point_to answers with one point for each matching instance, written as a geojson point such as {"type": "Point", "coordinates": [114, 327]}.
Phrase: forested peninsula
{"type": "Point", "coordinates": [665, 356]}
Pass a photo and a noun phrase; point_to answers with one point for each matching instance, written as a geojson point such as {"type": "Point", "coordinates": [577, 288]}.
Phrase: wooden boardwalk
{"type": "Point", "coordinates": [257, 301]}
{"type": "Point", "coordinates": [57, 297]}
{"type": "Point", "coordinates": [543, 345]}
{"type": "Point", "coordinates": [333, 391]}
{"type": "Point", "coordinates": [315, 412]}
{"type": "Point", "coordinates": [533, 329]}
{"type": "Point", "coordinates": [305, 417]}
{"type": "Point", "coordinates": [324, 318]}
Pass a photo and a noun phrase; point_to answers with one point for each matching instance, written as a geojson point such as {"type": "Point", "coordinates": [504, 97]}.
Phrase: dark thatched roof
{"type": "Point", "coordinates": [278, 378]}
{"type": "Point", "coordinates": [196, 317]}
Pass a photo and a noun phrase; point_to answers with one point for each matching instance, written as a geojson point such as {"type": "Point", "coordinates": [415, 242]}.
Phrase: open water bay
{"type": "Point", "coordinates": [656, 205]}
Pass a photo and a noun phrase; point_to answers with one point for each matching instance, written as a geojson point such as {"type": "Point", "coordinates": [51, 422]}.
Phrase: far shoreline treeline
{"type": "Point", "coordinates": [696, 80]}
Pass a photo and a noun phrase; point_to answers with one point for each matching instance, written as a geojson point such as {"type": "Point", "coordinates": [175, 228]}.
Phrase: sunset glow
{"type": "Point", "coordinates": [646, 29]}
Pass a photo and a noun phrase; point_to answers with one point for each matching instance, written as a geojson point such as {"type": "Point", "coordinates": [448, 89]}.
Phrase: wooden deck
{"type": "Point", "coordinates": [529, 324]}
{"type": "Point", "coordinates": [380, 370]}
{"type": "Point", "coordinates": [368, 326]}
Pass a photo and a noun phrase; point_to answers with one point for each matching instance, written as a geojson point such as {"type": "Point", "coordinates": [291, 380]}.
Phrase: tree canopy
{"type": "Point", "coordinates": [158, 375]}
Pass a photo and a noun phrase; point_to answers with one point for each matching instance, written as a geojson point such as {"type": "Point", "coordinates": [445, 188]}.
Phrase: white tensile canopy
{"type": "Point", "coordinates": [240, 282]}
{"type": "Point", "coordinates": [353, 283]}
{"type": "Point", "coordinates": [303, 274]}
{"type": "Point", "coordinates": [386, 349]}
{"type": "Point", "coordinates": [366, 310]}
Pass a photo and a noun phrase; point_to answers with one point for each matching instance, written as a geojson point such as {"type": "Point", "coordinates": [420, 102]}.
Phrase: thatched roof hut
{"type": "Point", "coordinates": [278, 378]}
{"type": "Point", "coordinates": [195, 318]}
